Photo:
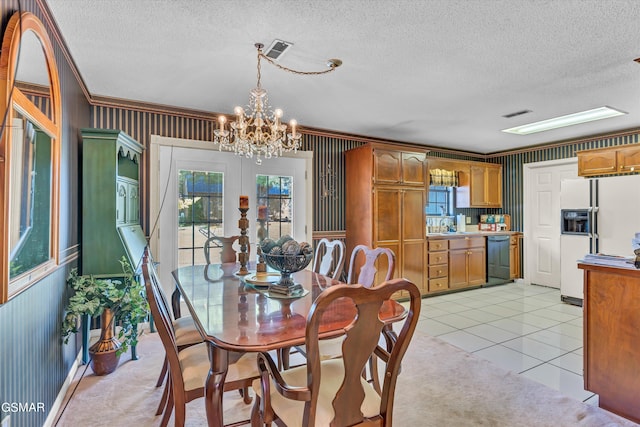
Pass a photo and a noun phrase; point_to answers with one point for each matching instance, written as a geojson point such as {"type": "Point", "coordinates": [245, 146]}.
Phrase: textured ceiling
{"type": "Point", "coordinates": [434, 72]}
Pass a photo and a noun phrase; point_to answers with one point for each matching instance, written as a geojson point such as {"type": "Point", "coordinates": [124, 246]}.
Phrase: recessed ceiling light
{"type": "Point", "coordinates": [568, 120]}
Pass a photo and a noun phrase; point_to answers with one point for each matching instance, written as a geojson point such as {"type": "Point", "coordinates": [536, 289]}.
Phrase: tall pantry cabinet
{"type": "Point", "coordinates": [386, 194]}
{"type": "Point", "coordinates": [110, 198]}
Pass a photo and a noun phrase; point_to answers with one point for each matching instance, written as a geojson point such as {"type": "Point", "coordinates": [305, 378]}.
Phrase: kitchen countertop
{"type": "Point", "coordinates": [471, 234]}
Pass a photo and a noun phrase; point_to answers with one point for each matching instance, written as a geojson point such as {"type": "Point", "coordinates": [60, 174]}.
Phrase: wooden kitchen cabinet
{"type": "Point", "coordinates": [438, 259]}
{"type": "Point", "coordinates": [628, 159]}
{"type": "Point", "coordinates": [609, 160]}
{"type": "Point", "coordinates": [414, 168]}
{"type": "Point", "coordinates": [385, 200]}
{"type": "Point", "coordinates": [611, 349]}
{"type": "Point", "coordinates": [514, 255]}
{"type": "Point", "coordinates": [481, 187]}
{"type": "Point", "coordinates": [399, 167]}
{"type": "Point", "coordinates": [467, 262]}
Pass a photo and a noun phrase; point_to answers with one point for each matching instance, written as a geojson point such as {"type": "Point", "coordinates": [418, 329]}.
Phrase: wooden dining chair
{"type": "Point", "coordinates": [329, 258]}
{"type": "Point", "coordinates": [186, 335]}
{"type": "Point", "coordinates": [365, 274]}
{"type": "Point", "coordinates": [333, 392]}
{"type": "Point", "coordinates": [189, 368]}
{"type": "Point", "coordinates": [328, 261]}
{"type": "Point", "coordinates": [184, 329]}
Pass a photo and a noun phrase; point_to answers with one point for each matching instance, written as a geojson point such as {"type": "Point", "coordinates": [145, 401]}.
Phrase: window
{"type": "Point", "coordinates": [440, 200]}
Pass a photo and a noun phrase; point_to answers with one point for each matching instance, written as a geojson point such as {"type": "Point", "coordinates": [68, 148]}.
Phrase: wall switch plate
{"type": "Point", "coordinates": [6, 421]}
{"type": "Point", "coordinates": [468, 220]}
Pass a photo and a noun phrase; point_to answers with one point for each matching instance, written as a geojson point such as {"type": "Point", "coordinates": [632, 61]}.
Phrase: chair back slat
{"type": "Point", "coordinates": [329, 258]}
{"type": "Point", "coordinates": [366, 275]}
{"type": "Point", "coordinates": [361, 341]}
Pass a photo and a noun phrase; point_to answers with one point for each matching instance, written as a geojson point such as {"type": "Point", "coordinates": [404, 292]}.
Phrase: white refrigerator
{"type": "Point", "coordinates": [613, 208]}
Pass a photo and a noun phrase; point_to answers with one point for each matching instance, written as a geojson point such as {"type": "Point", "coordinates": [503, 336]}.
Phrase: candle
{"type": "Point", "coordinates": [244, 202]}
{"type": "Point", "coordinates": [293, 124]}
{"type": "Point", "coordinates": [221, 121]}
{"type": "Point", "coordinates": [262, 212]}
{"type": "Point", "coordinates": [240, 114]}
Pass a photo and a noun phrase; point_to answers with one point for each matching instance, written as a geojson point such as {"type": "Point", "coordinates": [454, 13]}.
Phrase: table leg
{"type": "Point", "coordinates": [214, 387]}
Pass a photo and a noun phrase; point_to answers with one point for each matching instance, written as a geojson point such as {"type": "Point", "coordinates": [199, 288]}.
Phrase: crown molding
{"type": "Point", "coordinates": [564, 143]}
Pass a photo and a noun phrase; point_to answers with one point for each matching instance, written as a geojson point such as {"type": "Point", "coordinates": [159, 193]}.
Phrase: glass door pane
{"type": "Point", "coordinates": [200, 214]}
{"type": "Point", "coordinates": [276, 194]}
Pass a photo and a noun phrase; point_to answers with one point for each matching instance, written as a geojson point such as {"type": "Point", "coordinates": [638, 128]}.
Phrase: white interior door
{"type": "Point", "coordinates": [542, 219]}
{"type": "Point", "coordinates": [213, 182]}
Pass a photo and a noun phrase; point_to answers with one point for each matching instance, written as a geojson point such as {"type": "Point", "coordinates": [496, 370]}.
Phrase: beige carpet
{"type": "Point", "coordinates": [440, 385]}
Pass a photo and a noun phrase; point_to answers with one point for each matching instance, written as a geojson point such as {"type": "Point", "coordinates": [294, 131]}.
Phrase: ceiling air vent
{"type": "Point", "coordinates": [517, 113]}
{"type": "Point", "coordinates": [277, 49]}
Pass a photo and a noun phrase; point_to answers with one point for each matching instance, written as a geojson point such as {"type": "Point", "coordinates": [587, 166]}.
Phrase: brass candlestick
{"type": "Point", "coordinates": [261, 267]}
{"type": "Point", "coordinates": [243, 256]}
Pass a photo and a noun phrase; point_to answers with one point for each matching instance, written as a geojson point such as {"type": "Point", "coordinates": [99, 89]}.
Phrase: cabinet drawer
{"type": "Point", "coordinates": [439, 284]}
{"type": "Point", "coordinates": [467, 242]}
{"type": "Point", "coordinates": [438, 258]}
{"type": "Point", "coordinates": [438, 245]}
{"type": "Point", "coordinates": [438, 270]}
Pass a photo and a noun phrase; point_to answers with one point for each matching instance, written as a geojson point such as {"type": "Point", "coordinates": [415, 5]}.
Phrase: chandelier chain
{"type": "Point", "coordinates": [259, 74]}
{"type": "Point", "coordinates": [332, 66]}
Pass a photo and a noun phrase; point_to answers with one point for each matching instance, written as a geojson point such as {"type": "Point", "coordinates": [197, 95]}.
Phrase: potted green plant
{"type": "Point", "coordinates": [119, 302]}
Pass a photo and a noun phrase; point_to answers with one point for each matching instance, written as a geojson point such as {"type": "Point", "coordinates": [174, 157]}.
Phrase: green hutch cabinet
{"type": "Point", "coordinates": [110, 198]}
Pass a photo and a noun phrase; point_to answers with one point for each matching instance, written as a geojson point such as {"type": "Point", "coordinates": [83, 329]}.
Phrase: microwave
{"type": "Point", "coordinates": [576, 221]}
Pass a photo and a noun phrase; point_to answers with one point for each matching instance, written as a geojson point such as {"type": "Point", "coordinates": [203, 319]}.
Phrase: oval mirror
{"type": "Point", "coordinates": [29, 155]}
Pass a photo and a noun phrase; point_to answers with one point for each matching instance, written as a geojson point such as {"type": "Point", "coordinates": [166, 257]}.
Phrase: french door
{"type": "Point", "coordinates": [195, 195]}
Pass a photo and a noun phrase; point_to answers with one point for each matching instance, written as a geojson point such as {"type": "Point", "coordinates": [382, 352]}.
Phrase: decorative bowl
{"type": "Point", "coordinates": [287, 264]}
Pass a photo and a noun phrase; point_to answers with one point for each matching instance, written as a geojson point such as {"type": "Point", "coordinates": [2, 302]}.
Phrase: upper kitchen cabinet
{"type": "Point", "coordinates": [609, 160]}
{"type": "Point", "coordinates": [399, 167]}
{"type": "Point", "coordinates": [628, 159]}
{"type": "Point", "coordinates": [481, 187]}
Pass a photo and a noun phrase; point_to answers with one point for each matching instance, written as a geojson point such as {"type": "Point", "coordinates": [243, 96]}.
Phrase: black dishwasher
{"type": "Point", "coordinates": [498, 264]}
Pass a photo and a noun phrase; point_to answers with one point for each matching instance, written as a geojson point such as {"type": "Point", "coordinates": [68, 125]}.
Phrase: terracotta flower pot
{"type": "Point", "coordinates": [104, 356]}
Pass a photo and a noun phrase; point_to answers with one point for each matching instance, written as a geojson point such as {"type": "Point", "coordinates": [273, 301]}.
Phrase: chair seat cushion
{"type": "Point", "coordinates": [194, 362]}
{"type": "Point", "coordinates": [332, 374]}
{"type": "Point", "coordinates": [186, 332]}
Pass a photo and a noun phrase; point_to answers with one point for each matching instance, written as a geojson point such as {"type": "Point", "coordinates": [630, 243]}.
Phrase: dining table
{"type": "Point", "coordinates": [237, 314]}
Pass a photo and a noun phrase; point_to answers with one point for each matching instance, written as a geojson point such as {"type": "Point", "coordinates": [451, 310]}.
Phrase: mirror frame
{"type": "Point", "coordinates": [12, 99]}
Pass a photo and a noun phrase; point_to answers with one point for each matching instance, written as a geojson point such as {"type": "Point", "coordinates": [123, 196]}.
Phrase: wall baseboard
{"type": "Point", "coordinates": [57, 404]}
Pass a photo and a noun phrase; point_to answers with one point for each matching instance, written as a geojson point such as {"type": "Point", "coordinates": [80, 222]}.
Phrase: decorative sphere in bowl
{"type": "Point", "coordinates": [287, 264]}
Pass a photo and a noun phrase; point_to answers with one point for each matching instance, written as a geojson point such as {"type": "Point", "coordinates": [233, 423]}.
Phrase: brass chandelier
{"type": "Point", "coordinates": [261, 131]}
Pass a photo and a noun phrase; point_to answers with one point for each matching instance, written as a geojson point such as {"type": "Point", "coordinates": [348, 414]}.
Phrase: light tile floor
{"type": "Point", "coordinates": [523, 328]}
